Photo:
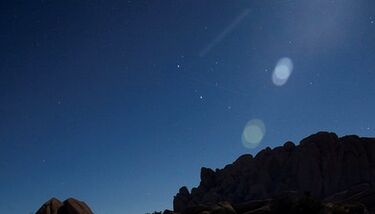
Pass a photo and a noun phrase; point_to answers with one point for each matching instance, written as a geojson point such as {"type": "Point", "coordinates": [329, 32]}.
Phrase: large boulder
{"type": "Point", "coordinates": [50, 207]}
{"type": "Point", "coordinates": [69, 206]}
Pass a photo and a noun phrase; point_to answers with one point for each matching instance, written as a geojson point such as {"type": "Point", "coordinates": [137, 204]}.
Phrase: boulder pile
{"type": "Point", "coordinates": [322, 165]}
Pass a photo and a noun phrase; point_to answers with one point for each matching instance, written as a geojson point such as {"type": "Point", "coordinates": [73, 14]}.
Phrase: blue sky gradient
{"type": "Point", "coordinates": [113, 103]}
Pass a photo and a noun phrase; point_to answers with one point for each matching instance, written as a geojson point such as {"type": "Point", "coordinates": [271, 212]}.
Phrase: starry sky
{"type": "Point", "coordinates": [119, 103]}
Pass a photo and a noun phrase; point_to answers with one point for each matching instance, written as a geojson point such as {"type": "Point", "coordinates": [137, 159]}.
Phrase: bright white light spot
{"type": "Point", "coordinates": [253, 133]}
{"type": "Point", "coordinates": [201, 97]}
{"type": "Point", "coordinates": [282, 71]}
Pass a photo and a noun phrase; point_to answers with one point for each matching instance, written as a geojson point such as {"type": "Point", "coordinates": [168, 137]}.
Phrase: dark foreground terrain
{"type": "Point", "coordinates": [323, 174]}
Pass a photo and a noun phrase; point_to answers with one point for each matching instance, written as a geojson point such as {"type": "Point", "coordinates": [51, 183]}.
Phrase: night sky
{"type": "Point", "coordinates": [119, 103]}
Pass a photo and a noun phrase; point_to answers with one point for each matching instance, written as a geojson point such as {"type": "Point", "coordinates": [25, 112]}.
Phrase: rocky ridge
{"type": "Point", "coordinates": [322, 165]}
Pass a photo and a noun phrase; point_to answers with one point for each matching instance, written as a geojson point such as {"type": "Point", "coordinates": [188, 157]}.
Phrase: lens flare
{"type": "Point", "coordinates": [253, 133]}
{"type": "Point", "coordinates": [282, 71]}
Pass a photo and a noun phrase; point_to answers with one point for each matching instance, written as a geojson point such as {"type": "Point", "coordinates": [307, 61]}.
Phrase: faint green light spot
{"type": "Point", "coordinates": [253, 133]}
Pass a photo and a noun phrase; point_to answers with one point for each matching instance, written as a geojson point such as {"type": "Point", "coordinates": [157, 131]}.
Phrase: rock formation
{"type": "Point", "coordinates": [322, 165]}
{"type": "Point", "coordinates": [69, 206]}
{"type": "Point", "coordinates": [324, 174]}
{"type": "Point", "coordinates": [50, 207]}
{"type": "Point", "coordinates": [287, 202]}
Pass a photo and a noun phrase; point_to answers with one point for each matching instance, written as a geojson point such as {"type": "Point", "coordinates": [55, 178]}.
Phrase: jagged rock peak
{"type": "Point", "coordinates": [69, 206]}
{"type": "Point", "coordinates": [322, 164]}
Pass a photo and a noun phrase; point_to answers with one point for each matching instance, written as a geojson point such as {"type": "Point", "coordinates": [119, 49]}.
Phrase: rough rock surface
{"type": "Point", "coordinates": [287, 202]}
{"type": "Point", "coordinates": [69, 206]}
{"type": "Point", "coordinates": [322, 165]}
{"type": "Point", "coordinates": [50, 207]}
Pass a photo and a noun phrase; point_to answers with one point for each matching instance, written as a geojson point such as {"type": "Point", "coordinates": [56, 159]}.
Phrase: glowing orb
{"type": "Point", "coordinates": [282, 71]}
{"type": "Point", "coordinates": [253, 133]}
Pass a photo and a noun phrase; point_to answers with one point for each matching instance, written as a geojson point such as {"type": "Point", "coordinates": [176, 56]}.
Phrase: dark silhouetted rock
{"type": "Point", "coordinates": [182, 199]}
{"type": "Point", "coordinates": [287, 202]}
{"type": "Point", "coordinates": [322, 165]}
{"type": "Point", "coordinates": [168, 212]}
{"type": "Point", "coordinates": [50, 207]}
{"type": "Point", "coordinates": [69, 206]}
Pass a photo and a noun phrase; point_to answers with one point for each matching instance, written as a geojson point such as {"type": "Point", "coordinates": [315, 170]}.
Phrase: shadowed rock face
{"type": "Point", "coordinates": [69, 206]}
{"type": "Point", "coordinates": [291, 203]}
{"type": "Point", "coordinates": [50, 207]}
{"type": "Point", "coordinates": [322, 164]}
